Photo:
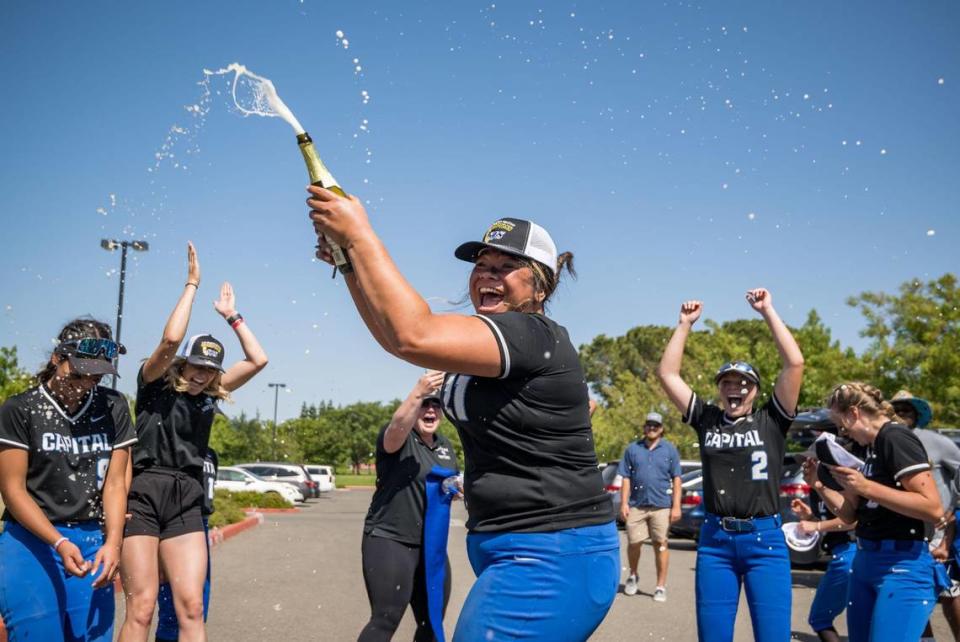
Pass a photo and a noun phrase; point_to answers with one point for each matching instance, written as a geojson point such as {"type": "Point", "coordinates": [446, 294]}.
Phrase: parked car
{"type": "Point", "coordinates": [691, 506]}
{"type": "Point", "coordinates": [294, 474]}
{"type": "Point", "coordinates": [612, 481]}
{"type": "Point", "coordinates": [323, 475]}
{"type": "Point", "coordinates": [239, 479]}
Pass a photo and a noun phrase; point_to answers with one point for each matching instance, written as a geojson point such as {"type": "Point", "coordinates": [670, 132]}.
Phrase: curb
{"type": "Point", "coordinates": [358, 488]}
{"type": "Point", "coordinates": [271, 510]}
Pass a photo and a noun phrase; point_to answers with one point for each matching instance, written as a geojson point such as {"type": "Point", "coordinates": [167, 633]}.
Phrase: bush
{"type": "Point", "coordinates": [230, 508]}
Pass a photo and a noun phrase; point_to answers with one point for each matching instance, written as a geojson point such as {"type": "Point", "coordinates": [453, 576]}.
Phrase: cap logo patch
{"type": "Point", "coordinates": [210, 349]}
{"type": "Point", "coordinates": [498, 230]}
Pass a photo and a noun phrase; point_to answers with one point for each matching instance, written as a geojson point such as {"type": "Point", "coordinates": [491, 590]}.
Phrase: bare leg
{"type": "Point", "coordinates": [829, 635]}
{"type": "Point", "coordinates": [951, 611]}
{"type": "Point", "coordinates": [661, 556]}
{"type": "Point", "coordinates": [184, 561]}
{"type": "Point", "coordinates": [139, 572]}
{"type": "Point", "coordinates": [633, 556]}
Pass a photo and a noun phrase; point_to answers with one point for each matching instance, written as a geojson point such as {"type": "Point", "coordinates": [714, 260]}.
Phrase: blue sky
{"type": "Point", "coordinates": [680, 150]}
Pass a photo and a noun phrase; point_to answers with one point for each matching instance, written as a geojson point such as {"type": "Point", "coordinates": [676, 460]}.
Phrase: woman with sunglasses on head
{"type": "Point", "coordinates": [895, 581]}
{"type": "Point", "coordinates": [64, 447]}
{"type": "Point", "coordinates": [176, 402]}
{"type": "Point", "coordinates": [394, 563]}
{"type": "Point", "coordinates": [542, 539]}
{"type": "Point", "coordinates": [742, 452]}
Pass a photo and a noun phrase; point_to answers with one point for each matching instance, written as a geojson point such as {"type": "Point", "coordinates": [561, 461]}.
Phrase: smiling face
{"type": "Point", "coordinates": [69, 384]}
{"type": "Point", "coordinates": [737, 394]}
{"type": "Point", "coordinates": [854, 423]}
{"type": "Point", "coordinates": [500, 282]}
{"type": "Point", "coordinates": [197, 377]}
{"type": "Point", "coordinates": [907, 412]}
{"type": "Point", "coordinates": [428, 418]}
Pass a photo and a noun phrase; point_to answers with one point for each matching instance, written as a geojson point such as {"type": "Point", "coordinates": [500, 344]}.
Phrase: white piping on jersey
{"type": "Point", "coordinates": [503, 345]}
{"type": "Point", "coordinates": [910, 469]}
{"type": "Point", "coordinates": [776, 404]}
{"type": "Point", "coordinates": [688, 416]}
{"type": "Point", "coordinates": [56, 405]}
{"type": "Point", "coordinates": [126, 443]}
{"type": "Point", "coordinates": [727, 421]}
{"type": "Point", "coordinates": [14, 443]}
{"type": "Point", "coordinates": [455, 397]}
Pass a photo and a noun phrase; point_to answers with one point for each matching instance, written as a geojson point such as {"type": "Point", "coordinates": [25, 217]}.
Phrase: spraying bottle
{"type": "Point", "coordinates": [321, 177]}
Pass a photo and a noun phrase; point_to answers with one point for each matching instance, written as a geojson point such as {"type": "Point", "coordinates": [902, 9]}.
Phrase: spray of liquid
{"type": "Point", "coordinates": [255, 95]}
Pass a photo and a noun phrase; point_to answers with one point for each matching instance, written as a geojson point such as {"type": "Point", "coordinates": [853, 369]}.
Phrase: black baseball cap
{"type": "Point", "coordinates": [203, 350]}
{"type": "Point", "coordinates": [91, 356]}
{"type": "Point", "coordinates": [514, 236]}
{"type": "Point", "coordinates": [740, 367]}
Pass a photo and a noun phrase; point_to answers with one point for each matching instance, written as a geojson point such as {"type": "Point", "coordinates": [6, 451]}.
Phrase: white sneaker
{"type": "Point", "coordinates": [660, 594]}
{"type": "Point", "coordinates": [630, 586]}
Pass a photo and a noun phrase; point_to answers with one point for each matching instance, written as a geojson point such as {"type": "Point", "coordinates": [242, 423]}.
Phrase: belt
{"type": "Point", "coordinates": [747, 525]}
{"type": "Point", "coordinates": [864, 544]}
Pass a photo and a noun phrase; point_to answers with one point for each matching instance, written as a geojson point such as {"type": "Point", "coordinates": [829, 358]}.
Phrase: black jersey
{"type": "Point", "coordinates": [173, 427]}
{"type": "Point", "coordinates": [742, 459]}
{"type": "Point", "coordinates": [210, 464]}
{"type": "Point", "coordinates": [828, 538]}
{"type": "Point", "coordinates": [68, 455]}
{"type": "Point", "coordinates": [399, 502]}
{"type": "Point", "coordinates": [894, 453]}
{"type": "Point", "coordinates": [526, 435]}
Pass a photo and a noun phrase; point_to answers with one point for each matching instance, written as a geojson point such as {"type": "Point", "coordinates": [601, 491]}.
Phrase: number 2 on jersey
{"type": "Point", "coordinates": [759, 469]}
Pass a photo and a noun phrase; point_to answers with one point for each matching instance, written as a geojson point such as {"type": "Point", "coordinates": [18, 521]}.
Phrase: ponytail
{"type": "Point", "coordinates": [869, 399]}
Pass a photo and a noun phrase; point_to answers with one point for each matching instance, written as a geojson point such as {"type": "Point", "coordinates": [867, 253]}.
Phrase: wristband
{"type": "Point", "coordinates": [57, 543]}
{"type": "Point", "coordinates": [196, 285]}
{"type": "Point", "coordinates": [234, 320]}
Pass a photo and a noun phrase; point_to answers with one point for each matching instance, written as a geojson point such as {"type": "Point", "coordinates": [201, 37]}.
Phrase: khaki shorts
{"type": "Point", "coordinates": [648, 522]}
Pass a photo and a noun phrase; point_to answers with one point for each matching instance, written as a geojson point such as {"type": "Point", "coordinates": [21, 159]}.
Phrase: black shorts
{"type": "Point", "coordinates": [164, 503]}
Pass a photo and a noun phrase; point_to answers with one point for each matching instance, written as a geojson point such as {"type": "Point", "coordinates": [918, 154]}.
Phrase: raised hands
{"type": "Point", "coordinates": [759, 299]}
{"type": "Point", "coordinates": [193, 265]}
{"type": "Point", "coordinates": [340, 218]}
{"type": "Point", "coordinates": [226, 305]}
{"type": "Point", "coordinates": [429, 383]}
{"type": "Point", "coordinates": [690, 311]}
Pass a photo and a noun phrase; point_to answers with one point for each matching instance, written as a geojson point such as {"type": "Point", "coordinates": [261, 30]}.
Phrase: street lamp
{"type": "Point", "coordinates": [276, 391]}
{"type": "Point", "coordinates": [110, 245]}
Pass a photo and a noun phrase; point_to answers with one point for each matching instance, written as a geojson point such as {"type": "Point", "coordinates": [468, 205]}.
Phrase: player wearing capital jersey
{"type": "Point", "coordinates": [742, 453]}
{"type": "Point", "coordinates": [64, 446]}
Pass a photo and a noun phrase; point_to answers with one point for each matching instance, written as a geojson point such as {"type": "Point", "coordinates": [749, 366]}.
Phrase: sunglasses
{"type": "Point", "coordinates": [91, 348]}
{"type": "Point", "coordinates": [652, 426]}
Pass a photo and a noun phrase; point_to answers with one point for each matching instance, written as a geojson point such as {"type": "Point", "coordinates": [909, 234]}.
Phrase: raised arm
{"type": "Point", "coordinates": [405, 416]}
{"type": "Point", "coordinates": [787, 387]}
{"type": "Point", "coordinates": [176, 328]}
{"type": "Point", "coordinates": [669, 369]}
{"type": "Point", "coordinates": [448, 342]}
{"type": "Point", "coordinates": [254, 358]}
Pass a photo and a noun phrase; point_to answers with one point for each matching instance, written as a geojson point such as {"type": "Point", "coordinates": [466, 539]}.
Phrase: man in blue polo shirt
{"type": "Point", "coordinates": [650, 469]}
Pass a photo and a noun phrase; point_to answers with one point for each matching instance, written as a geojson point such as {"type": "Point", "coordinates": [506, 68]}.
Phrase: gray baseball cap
{"type": "Point", "coordinates": [654, 418]}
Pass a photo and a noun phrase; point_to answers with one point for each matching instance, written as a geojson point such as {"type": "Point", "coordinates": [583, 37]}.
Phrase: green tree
{"type": "Point", "coordinates": [13, 378]}
{"type": "Point", "coordinates": [238, 440]}
{"type": "Point", "coordinates": [915, 342]}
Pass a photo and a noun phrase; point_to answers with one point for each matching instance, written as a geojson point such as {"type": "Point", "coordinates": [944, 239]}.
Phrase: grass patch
{"type": "Point", "coordinates": [355, 480]}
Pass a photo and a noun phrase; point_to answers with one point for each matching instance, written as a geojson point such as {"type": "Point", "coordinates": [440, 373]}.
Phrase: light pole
{"type": "Point", "coordinates": [110, 245]}
{"type": "Point", "coordinates": [276, 392]}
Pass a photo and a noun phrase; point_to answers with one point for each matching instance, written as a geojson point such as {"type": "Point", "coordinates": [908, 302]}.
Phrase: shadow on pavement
{"type": "Point", "coordinates": [807, 578]}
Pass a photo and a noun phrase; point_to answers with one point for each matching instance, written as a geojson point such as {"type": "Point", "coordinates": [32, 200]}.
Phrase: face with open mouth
{"type": "Point", "coordinates": [197, 377]}
{"type": "Point", "coordinates": [500, 283]}
{"type": "Point", "coordinates": [736, 394]}
{"type": "Point", "coordinates": [428, 419]}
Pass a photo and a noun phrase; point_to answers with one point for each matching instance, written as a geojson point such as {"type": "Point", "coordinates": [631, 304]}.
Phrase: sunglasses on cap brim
{"type": "Point", "coordinates": [90, 348]}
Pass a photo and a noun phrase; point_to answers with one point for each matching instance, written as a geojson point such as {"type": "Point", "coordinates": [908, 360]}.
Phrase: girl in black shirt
{"type": "Point", "coordinates": [64, 447]}
{"type": "Point", "coordinates": [541, 534]}
{"type": "Point", "coordinates": [895, 584]}
{"type": "Point", "coordinates": [176, 403]}
{"type": "Point", "coordinates": [394, 566]}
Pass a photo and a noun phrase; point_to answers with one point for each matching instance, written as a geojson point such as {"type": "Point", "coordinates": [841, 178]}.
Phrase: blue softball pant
{"type": "Point", "coordinates": [725, 561]}
{"type": "Point", "coordinates": [893, 589]}
{"type": "Point", "coordinates": [555, 586]}
{"type": "Point", "coordinates": [57, 606]}
{"type": "Point", "coordinates": [831, 597]}
{"type": "Point", "coordinates": [168, 628]}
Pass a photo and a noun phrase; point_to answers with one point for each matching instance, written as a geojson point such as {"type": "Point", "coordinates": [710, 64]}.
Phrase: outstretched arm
{"type": "Point", "coordinates": [176, 328]}
{"type": "Point", "coordinates": [448, 342]}
{"type": "Point", "coordinates": [405, 415]}
{"type": "Point", "coordinates": [669, 369]}
{"type": "Point", "coordinates": [254, 358]}
{"type": "Point", "coordinates": [787, 388]}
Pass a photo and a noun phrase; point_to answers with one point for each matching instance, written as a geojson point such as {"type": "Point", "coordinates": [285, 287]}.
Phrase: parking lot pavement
{"type": "Point", "coordinates": [298, 577]}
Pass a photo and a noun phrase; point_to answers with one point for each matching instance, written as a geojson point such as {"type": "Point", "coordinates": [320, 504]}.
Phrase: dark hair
{"type": "Point", "coordinates": [546, 281]}
{"type": "Point", "coordinates": [79, 328]}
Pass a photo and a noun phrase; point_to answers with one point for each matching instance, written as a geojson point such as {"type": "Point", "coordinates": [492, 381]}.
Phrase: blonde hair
{"type": "Point", "coordinates": [173, 377]}
{"type": "Point", "coordinates": [861, 395]}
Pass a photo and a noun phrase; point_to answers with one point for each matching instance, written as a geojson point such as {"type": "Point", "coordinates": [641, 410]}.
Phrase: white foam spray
{"type": "Point", "coordinates": [254, 95]}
